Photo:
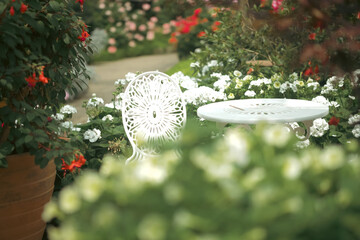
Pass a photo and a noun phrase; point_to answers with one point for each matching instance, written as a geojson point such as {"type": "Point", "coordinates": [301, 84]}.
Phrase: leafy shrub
{"type": "Point", "coordinates": [237, 186]}
{"type": "Point", "coordinates": [43, 51]}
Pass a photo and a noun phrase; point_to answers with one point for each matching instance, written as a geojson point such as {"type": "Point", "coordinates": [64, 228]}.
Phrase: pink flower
{"type": "Point", "coordinates": [139, 37]}
{"type": "Point", "coordinates": [102, 5]}
{"type": "Point", "coordinates": [142, 27]}
{"type": "Point", "coordinates": [151, 25]}
{"type": "Point", "coordinates": [146, 6]}
{"type": "Point", "coordinates": [157, 9]}
{"type": "Point", "coordinates": [131, 25]}
{"type": "Point", "coordinates": [112, 49]}
{"type": "Point", "coordinates": [132, 44]}
{"type": "Point", "coordinates": [112, 41]}
{"type": "Point", "coordinates": [150, 35]}
{"type": "Point", "coordinates": [122, 9]}
{"type": "Point", "coordinates": [166, 28]}
{"type": "Point", "coordinates": [276, 4]}
{"type": "Point", "coordinates": [154, 19]}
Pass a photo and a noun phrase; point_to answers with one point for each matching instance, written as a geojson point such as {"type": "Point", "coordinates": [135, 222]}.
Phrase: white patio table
{"type": "Point", "coordinates": [272, 110]}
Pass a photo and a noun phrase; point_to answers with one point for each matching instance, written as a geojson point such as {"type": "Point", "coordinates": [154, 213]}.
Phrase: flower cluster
{"type": "Point", "coordinates": [236, 178]}
{"type": "Point", "coordinates": [338, 126]}
{"type": "Point", "coordinates": [33, 79]}
{"type": "Point", "coordinates": [92, 135]}
{"type": "Point", "coordinates": [127, 23]}
{"type": "Point", "coordinates": [77, 163]}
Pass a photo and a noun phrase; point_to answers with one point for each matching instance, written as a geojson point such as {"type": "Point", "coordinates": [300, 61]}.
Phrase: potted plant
{"type": "Point", "coordinates": [43, 46]}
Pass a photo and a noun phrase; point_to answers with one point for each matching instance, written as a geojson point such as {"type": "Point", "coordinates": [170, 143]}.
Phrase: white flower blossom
{"type": "Point", "coordinates": [121, 81]}
{"type": "Point", "coordinates": [67, 124]}
{"type": "Point", "coordinates": [130, 76]}
{"type": "Point", "coordinates": [67, 109]}
{"type": "Point", "coordinates": [292, 168]}
{"type": "Point", "coordinates": [117, 105]}
{"type": "Point", "coordinates": [221, 84]}
{"type": "Point", "coordinates": [248, 77]}
{"type": "Point", "coordinates": [314, 85]}
{"type": "Point", "coordinates": [108, 118]}
{"type": "Point", "coordinates": [90, 186]}
{"type": "Point", "coordinates": [356, 131]}
{"type": "Point", "coordinates": [148, 171]}
{"type": "Point", "coordinates": [303, 144]}
{"type": "Point", "coordinates": [95, 101]}
{"type": "Point", "coordinates": [332, 157]}
{"type": "Point", "coordinates": [284, 87]}
{"type": "Point", "coordinates": [69, 200]}
{"type": "Point", "coordinates": [354, 119]}
{"type": "Point", "coordinates": [237, 73]}
{"type": "Point", "coordinates": [58, 116]}
{"type": "Point", "coordinates": [293, 77]}
{"type": "Point", "coordinates": [202, 95]}
{"type": "Point", "coordinates": [334, 104]}
{"type": "Point", "coordinates": [92, 135]}
{"type": "Point", "coordinates": [250, 93]}
{"type": "Point", "coordinates": [194, 64]}
{"type": "Point", "coordinates": [276, 135]}
{"type": "Point", "coordinates": [231, 96]}
{"type": "Point", "coordinates": [320, 126]}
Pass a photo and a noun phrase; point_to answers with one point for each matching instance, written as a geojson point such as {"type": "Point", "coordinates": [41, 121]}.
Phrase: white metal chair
{"type": "Point", "coordinates": [153, 113]}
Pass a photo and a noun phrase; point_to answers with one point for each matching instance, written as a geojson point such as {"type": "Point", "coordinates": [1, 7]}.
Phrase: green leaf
{"type": "Point", "coordinates": [66, 38]}
{"type": "Point", "coordinates": [28, 138]}
{"type": "Point", "coordinates": [54, 5]}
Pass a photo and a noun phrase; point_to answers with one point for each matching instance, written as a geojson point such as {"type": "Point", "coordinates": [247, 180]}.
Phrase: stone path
{"type": "Point", "coordinates": [108, 72]}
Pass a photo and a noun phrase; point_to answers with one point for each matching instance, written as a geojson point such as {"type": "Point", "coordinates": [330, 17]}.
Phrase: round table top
{"type": "Point", "coordinates": [252, 111]}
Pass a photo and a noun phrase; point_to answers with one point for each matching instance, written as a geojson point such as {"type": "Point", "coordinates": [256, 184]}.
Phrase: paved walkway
{"type": "Point", "coordinates": [108, 72]}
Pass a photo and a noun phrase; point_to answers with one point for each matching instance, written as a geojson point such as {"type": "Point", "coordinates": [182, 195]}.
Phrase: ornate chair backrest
{"type": "Point", "coordinates": [153, 113]}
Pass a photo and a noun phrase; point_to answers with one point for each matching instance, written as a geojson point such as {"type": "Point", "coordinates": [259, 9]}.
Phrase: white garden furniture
{"type": "Point", "coordinates": [153, 113]}
{"type": "Point", "coordinates": [273, 110]}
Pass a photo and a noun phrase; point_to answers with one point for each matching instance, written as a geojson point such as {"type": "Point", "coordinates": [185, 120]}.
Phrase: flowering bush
{"type": "Point", "coordinates": [341, 125]}
{"type": "Point", "coordinates": [43, 51]}
{"type": "Point", "coordinates": [126, 23]}
{"type": "Point", "coordinates": [191, 29]}
{"type": "Point", "coordinates": [237, 186]}
{"type": "Point", "coordinates": [102, 134]}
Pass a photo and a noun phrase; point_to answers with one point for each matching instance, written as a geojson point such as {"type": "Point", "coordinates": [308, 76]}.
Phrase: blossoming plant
{"type": "Point", "coordinates": [258, 185]}
{"type": "Point", "coordinates": [43, 50]}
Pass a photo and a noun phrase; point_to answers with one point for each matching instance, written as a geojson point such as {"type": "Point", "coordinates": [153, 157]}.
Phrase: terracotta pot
{"type": "Point", "coordinates": [24, 190]}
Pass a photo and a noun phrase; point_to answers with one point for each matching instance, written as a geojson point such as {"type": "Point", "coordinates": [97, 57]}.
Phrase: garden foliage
{"type": "Point", "coordinates": [236, 186]}
{"type": "Point", "coordinates": [43, 51]}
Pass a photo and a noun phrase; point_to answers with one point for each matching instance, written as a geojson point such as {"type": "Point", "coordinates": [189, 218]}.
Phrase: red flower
{"type": "Point", "coordinates": [49, 119]}
{"type": "Point", "coordinates": [309, 71]}
{"type": "Point", "coordinates": [358, 15]}
{"type": "Point", "coordinates": [334, 121]}
{"type": "Point", "coordinates": [81, 4]}
{"type": "Point", "coordinates": [201, 34]}
{"type": "Point", "coordinates": [173, 40]}
{"type": "Point", "coordinates": [84, 35]}
{"type": "Point", "coordinates": [31, 80]}
{"type": "Point", "coordinates": [42, 78]}
{"type": "Point", "coordinates": [250, 71]}
{"type": "Point", "coordinates": [215, 26]}
{"type": "Point", "coordinates": [185, 29]}
{"type": "Point", "coordinates": [312, 36]}
{"type": "Point", "coordinates": [23, 8]}
{"type": "Point", "coordinates": [316, 69]}
{"type": "Point", "coordinates": [12, 11]}
{"type": "Point", "coordinates": [197, 11]}
{"type": "Point", "coordinates": [78, 162]}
